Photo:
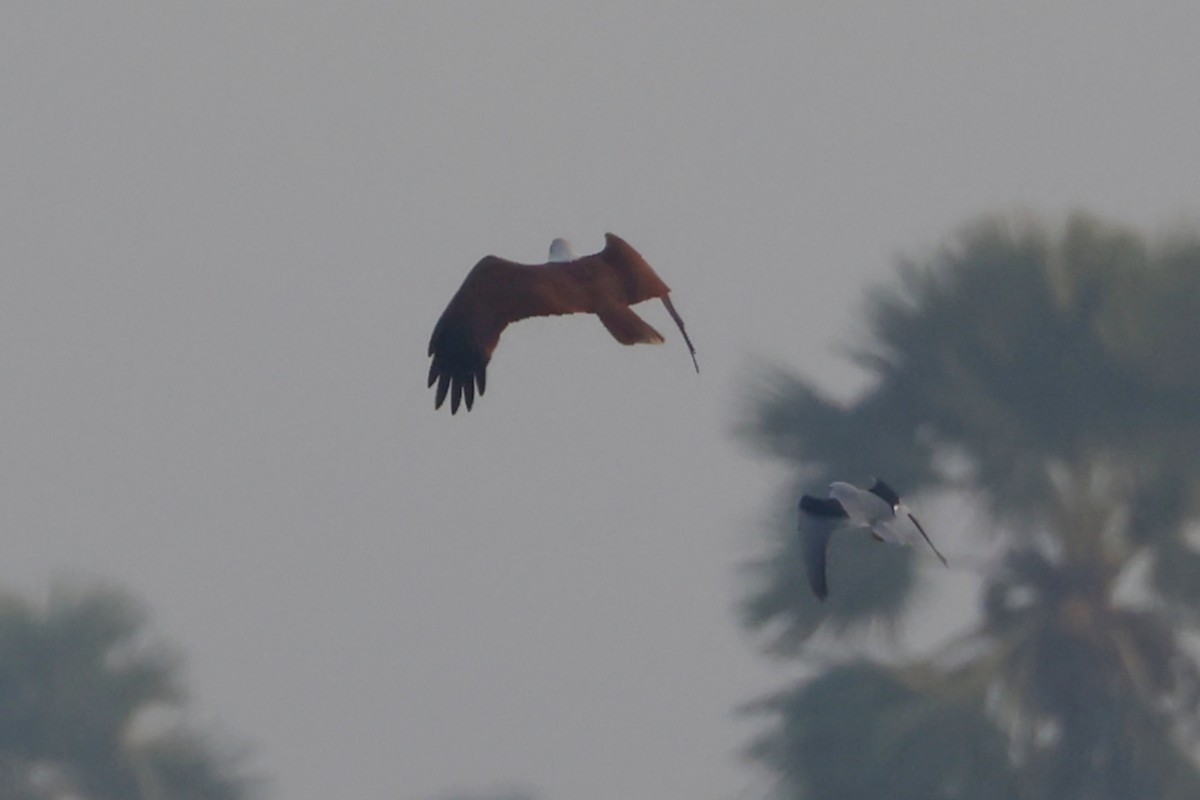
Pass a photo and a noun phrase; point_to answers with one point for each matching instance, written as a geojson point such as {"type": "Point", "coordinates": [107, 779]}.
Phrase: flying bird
{"type": "Point", "coordinates": [497, 292]}
{"type": "Point", "coordinates": [878, 508]}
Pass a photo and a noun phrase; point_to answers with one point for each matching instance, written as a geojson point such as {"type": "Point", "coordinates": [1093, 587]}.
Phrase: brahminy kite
{"type": "Point", "coordinates": [497, 292]}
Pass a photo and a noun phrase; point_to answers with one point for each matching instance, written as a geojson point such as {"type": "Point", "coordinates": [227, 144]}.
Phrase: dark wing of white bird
{"type": "Point", "coordinates": [885, 493]}
{"type": "Point", "coordinates": [819, 517]}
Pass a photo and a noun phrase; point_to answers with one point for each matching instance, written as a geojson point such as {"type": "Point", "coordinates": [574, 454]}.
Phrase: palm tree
{"type": "Point", "coordinates": [78, 681]}
{"type": "Point", "coordinates": [1052, 377]}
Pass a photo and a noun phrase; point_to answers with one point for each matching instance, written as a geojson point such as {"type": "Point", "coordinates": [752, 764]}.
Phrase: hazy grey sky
{"type": "Point", "coordinates": [228, 229]}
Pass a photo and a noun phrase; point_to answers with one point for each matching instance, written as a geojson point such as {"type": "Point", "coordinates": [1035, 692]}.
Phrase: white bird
{"type": "Point", "coordinates": [497, 292]}
{"type": "Point", "coordinates": [878, 508]}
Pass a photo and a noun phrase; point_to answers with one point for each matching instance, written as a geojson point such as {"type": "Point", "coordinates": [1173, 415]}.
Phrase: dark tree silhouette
{"type": "Point", "coordinates": [1052, 378]}
{"type": "Point", "coordinates": [79, 680]}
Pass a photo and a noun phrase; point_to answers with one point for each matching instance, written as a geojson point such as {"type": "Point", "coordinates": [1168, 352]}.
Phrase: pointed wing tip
{"type": "Point", "coordinates": [687, 340]}
{"type": "Point", "coordinates": [692, 353]}
{"type": "Point", "coordinates": [459, 368]}
{"type": "Point", "coordinates": [459, 391]}
{"type": "Point", "coordinates": [820, 588]}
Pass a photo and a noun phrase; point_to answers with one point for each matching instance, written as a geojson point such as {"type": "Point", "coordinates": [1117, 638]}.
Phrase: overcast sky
{"type": "Point", "coordinates": [228, 229]}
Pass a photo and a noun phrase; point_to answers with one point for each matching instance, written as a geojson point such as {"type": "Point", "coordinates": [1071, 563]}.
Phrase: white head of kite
{"type": "Point", "coordinates": [560, 251]}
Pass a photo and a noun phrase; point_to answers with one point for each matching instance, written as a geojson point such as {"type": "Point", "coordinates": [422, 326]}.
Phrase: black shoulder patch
{"type": "Point", "coordinates": [885, 492]}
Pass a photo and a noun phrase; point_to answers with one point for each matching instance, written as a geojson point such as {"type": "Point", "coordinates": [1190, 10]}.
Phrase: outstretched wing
{"type": "Point", "coordinates": [682, 330]}
{"type": "Point", "coordinates": [636, 281]}
{"type": "Point", "coordinates": [642, 282]}
{"type": "Point", "coordinates": [495, 293]}
{"type": "Point", "coordinates": [818, 520]}
{"type": "Point", "coordinates": [469, 329]}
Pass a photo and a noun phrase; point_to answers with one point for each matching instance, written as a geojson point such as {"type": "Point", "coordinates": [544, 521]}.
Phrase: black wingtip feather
{"type": "Point", "coordinates": [816, 554]}
{"type": "Point", "coordinates": [820, 589]}
{"type": "Point", "coordinates": [443, 386]}
{"type": "Point", "coordinates": [458, 368]}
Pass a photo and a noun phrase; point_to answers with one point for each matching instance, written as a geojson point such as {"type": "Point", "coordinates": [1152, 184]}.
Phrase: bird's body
{"type": "Point", "coordinates": [878, 509]}
{"type": "Point", "coordinates": [498, 292]}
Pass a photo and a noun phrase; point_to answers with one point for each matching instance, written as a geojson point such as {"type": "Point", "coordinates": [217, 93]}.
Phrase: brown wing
{"type": "Point", "coordinates": [468, 331]}
{"type": "Point", "coordinates": [643, 283]}
{"type": "Point", "coordinates": [627, 279]}
{"type": "Point", "coordinates": [497, 292]}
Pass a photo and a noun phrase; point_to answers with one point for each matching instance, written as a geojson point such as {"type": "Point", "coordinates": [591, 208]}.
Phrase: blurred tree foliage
{"type": "Point", "coordinates": [90, 706]}
{"type": "Point", "coordinates": [1051, 376]}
